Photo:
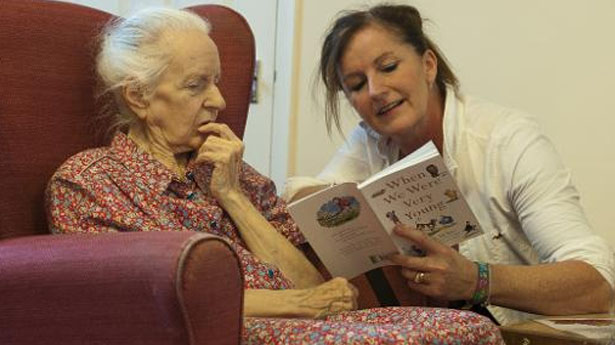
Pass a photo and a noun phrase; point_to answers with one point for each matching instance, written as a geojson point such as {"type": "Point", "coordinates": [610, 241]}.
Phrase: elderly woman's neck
{"type": "Point", "coordinates": [147, 142]}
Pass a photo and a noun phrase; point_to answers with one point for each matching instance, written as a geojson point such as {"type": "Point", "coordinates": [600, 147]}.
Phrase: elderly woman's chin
{"type": "Point", "coordinates": [195, 143]}
{"type": "Point", "coordinates": [187, 145]}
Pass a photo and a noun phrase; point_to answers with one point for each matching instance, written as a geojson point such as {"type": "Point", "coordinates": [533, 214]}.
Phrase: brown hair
{"type": "Point", "coordinates": [402, 20]}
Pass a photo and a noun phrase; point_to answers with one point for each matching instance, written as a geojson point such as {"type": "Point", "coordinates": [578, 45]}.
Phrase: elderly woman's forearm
{"type": "Point", "coordinates": [268, 244]}
{"type": "Point", "coordinates": [272, 303]}
{"type": "Point", "coordinates": [332, 297]}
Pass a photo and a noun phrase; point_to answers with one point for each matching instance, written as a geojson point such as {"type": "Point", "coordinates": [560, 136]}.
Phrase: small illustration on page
{"type": "Point", "coordinates": [433, 170]}
{"type": "Point", "coordinates": [436, 225]}
{"type": "Point", "coordinates": [393, 217]}
{"type": "Point", "coordinates": [378, 193]}
{"type": "Point", "coordinates": [446, 220]}
{"type": "Point", "coordinates": [428, 227]}
{"type": "Point", "coordinates": [338, 211]}
{"type": "Point", "coordinates": [451, 194]}
{"type": "Point", "coordinates": [470, 229]}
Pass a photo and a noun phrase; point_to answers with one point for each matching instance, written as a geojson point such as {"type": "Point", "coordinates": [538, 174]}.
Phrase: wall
{"type": "Point", "coordinates": [551, 58]}
{"type": "Point", "coordinates": [121, 8]}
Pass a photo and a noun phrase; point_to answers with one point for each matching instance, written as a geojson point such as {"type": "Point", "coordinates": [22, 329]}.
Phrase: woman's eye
{"type": "Point", "coordinates": [195, 86]}
{"type": "Point", "coordinates": [356, 87]}
{"type": "Point", "coordinates": [389, 67]}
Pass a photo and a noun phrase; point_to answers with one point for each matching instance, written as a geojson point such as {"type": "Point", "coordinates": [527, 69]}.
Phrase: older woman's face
{"type": "Point", "coordinates": [386, 81]}
{"type": "Point", "coordinates": [187, 95]}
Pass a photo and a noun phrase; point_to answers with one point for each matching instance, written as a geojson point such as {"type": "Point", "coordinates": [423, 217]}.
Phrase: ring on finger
{"type": "Point", "coordinates": [419, 277]}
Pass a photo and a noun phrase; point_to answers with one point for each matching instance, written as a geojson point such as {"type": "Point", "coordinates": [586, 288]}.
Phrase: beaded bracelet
{"type": "Point", "coordinates": [483, 291]}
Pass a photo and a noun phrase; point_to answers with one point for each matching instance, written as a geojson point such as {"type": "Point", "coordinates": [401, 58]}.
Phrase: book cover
{"type": "Point", "coordinates": [349, 225]}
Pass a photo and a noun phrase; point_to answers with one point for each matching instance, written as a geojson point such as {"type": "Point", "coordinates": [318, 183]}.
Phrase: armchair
{"type": "Point", "coordinates": [128, 288]}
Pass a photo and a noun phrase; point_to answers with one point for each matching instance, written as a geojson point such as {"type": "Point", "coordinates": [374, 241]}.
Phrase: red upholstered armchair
{"type": "Point", "coordinates": [130, 288]}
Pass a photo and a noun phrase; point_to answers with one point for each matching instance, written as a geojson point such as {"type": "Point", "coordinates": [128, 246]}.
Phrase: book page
{"type": "Point", "coordinates": [343, 231]}
{"type": "Point", "coordinates": [425, 196]}
{"type": "Point", "coordinates": [421, 154]}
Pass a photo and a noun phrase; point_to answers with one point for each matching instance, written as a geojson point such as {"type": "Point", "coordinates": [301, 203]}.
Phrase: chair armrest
{"type": "Point", "coordinates": [122, 288]}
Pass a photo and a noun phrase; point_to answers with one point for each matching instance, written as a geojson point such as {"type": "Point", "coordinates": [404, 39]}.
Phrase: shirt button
{"type": "Point", "coordinates": [190, 175]}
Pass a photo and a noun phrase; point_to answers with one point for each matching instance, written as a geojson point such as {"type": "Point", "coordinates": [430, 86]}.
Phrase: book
{"type": "Point", "coordinates": [349, 225]}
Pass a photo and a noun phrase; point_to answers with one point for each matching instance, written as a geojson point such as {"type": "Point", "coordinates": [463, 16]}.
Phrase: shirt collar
{"type": "Point", "coordinates": [141, 164]}
{"type": "Point", "coordinates": [453, 110]}
{"type": "Point", "coordinates": [388, 150]}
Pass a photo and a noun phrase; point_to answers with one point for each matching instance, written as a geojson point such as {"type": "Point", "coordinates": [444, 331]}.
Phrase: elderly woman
{"type": "Point", "coordinates": [538, 253]}
{"type": "Point", "coordinates": [171, 167]}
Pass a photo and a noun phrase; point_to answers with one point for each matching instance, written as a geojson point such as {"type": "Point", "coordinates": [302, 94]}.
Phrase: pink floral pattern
{"type": "Point", "coordinates": [122, 188]}
{"type": "Point", "coordinates": [391, 325]}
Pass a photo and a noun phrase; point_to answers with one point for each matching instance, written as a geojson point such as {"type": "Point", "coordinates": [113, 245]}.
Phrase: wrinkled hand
{"type": "Point", "coordinates": [331, 297]}
{"type": "Point", "coordinates": [448, 274]}
{"type": "Point", "coordinates": [225, 150]}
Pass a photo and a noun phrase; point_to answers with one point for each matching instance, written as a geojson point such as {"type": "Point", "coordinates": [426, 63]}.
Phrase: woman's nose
{"type": "Point", "coordinates": [375, 86]}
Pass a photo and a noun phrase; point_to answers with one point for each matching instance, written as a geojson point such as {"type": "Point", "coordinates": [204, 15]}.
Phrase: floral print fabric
{"type": "Point", "coordinates": [122, 188]}
{"type": "Point", "coordinates": [391, 325]}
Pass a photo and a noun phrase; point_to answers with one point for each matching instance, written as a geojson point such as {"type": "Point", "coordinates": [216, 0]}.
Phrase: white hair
{"type": "Point", "coordinates": [133, 52]}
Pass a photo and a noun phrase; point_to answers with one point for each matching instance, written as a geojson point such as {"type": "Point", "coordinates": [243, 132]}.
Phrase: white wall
{"type": "Point", "coordinates": [551, 58]}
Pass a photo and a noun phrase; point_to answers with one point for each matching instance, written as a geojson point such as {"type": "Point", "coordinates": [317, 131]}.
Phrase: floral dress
{"type": "Point", "coordinates": [122, 188]}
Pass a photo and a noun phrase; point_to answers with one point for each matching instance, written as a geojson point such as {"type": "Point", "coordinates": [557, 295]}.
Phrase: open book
{"type": "Point", "coordinates": [350, 225]}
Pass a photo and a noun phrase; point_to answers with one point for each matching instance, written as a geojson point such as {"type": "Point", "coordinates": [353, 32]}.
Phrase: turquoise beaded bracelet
{"type": "Point", "coordinates": [482, 292]}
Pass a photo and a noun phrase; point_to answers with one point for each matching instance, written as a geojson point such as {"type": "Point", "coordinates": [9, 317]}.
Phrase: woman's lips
{"type": "Point", "coordinates": [390, 106]}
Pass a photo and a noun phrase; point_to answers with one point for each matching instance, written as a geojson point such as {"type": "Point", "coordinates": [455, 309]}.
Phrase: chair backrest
{"type": "Point", "coordinates": [47, 88]}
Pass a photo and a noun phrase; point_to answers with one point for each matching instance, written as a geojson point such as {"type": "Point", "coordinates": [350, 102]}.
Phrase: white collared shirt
{"type": "Point", "coordinates": [512, 178]}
